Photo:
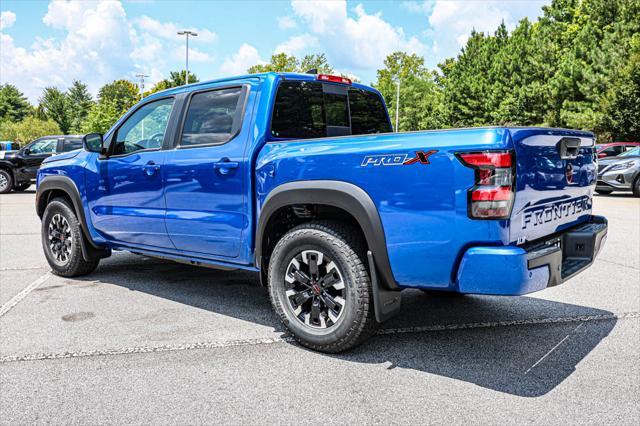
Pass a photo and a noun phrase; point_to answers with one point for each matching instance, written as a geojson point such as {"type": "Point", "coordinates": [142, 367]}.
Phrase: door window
{"type": "Point", "coordinates": [43, 146]}
{"type": "Point", "coordinates": [368, 114]}
{"type": "Point", "coordinates": [299, 111]}
{"type": "Point", "coordinates": [71, 145]}
{"type": "Point", "coordinates": [212, 117]}
{"type": "Point", "coordinates": [145, 128]}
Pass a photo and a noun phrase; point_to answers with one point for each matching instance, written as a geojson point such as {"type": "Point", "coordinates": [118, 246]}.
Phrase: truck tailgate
{"type": "Point", "coordinates": [555, 178]}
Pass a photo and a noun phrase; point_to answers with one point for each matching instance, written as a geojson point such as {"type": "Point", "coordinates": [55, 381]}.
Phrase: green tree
{"type": "Point", "coordinates": [54, 105]}
{"type": "Point", "coordinates": [123, 94]}
{"type": "Point", "coordinates": [318, 62]}
{"type": "Point", "coordinates": [280, 62]}
{"type": "Point", "coordinates": [102, 115]}
{"type": "Point", "coordinates": [13, 104]}
{"type": "Point", "coordinates": [176, 78]}
{"type": "Point", "coordinates": [420, 96]}
{"type": "Point", "coordinates": [80, 103]}
{"type": "Point", "coordinates": [28, 129]}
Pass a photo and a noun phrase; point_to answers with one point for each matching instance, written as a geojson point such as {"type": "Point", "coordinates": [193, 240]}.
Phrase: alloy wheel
{"type": "Point", "coordinates": [315, 289]}
{"type": "Point", "coordinates": [60, 238]}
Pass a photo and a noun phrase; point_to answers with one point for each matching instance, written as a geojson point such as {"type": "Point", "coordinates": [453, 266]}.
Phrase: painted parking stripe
{"type": "Point", "coordinates": [18, 297]}
{"type": "Point", "coordinates": [288, 338]}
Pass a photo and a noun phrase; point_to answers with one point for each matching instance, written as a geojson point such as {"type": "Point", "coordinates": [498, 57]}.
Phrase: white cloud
{"type": "Point", "coordinates": [7, 19]}
{"type": "Point", "coordinates": [239, 62]}
{"type": "Point", "coordinates": [169, 30]}
{"type": "Point", "coordinates": [297, 45]}
{"type": "Point", "coordinates": [356, 43]}
{"type": "Point", "coordinates": [451, 21]}
{"type": "Point", "coordinates": [286, 23]}
{"type": "Point", "coordinates": [99, 44]}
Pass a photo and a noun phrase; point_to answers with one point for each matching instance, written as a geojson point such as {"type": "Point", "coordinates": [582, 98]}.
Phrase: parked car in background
{"type": "Point", "coordinates": [615, 148]}
{"type": "Point", "coordinates": [9, 146]}
{"type": "Point", "coordinates": [18, 168]}
{"type": "Point", "coordinates": [301, 178]}
{"type": "Point", "coordinates": [621, 173]}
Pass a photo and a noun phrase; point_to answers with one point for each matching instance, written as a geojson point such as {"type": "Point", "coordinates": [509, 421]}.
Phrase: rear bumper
{"type": "Point", "coordinates": [514, 270]}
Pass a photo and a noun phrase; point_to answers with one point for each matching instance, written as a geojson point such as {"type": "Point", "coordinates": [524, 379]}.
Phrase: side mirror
{"type": "Point", "coordinates": [92, 142]}
{"type": "Point", "coordinates": [26, 151]}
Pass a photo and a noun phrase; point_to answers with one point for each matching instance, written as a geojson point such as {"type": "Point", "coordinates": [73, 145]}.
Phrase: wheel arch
{"type": "Point", "coordinates": [62, 186]}
{"type": "Point", "coordinates": [348, 201]}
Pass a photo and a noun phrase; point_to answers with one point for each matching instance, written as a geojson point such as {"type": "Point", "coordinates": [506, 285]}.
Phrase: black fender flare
{"type": "Point", "coordinates": [343, 195]}
{"type": "Point", "coordinates": [90, 250]}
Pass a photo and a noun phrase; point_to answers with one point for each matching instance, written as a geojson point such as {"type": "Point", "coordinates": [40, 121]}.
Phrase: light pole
{"type": "Point", "coordinates": [187, 33]}
{"type": "Point", "coordinates": [397, 103]}
{"type": "Point", "coordinates": [142, 77]}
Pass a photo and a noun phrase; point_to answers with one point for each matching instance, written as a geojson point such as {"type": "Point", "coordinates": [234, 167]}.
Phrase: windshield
{"type": "Point", "coordinates": [631, 152]}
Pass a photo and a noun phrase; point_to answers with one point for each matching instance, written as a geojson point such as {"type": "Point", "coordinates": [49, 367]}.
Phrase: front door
{"type": "Point", "coordinates": [205, 176]}
{"type": "Point", "coordinates": [127, 202]}
{"type": "Point", "coordinates": [34, 155]}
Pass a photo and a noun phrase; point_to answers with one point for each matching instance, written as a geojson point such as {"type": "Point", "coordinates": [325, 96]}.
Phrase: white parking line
{"type": "Point", "coordinates": [287, 338]}
{"type": "Point", "coordinates": [18, 297]}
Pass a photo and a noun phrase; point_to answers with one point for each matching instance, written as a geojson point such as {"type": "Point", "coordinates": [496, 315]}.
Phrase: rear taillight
{"type": "Point", "coordinates": [492, 194]}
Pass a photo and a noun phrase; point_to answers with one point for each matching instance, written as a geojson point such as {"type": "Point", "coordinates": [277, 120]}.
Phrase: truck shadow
{"type": "Point", "coordinates": [522, 346]}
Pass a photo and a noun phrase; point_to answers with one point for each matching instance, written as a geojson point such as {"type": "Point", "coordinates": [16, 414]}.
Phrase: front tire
{"type": "Point", "coordinates": [320, 287]}
{"type": "Point", "coordinates": [61, 241]}
{"type": "Point", "coordinates": [6, 182]}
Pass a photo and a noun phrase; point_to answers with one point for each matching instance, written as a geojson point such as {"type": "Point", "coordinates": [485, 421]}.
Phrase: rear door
{"type": "Point", "coordinates": [555, 179]}
{"type": "Point", "coordinates": [205, 175]}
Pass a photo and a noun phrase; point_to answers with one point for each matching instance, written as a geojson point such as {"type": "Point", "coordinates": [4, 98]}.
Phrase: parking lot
{"type": "Point", "coordinates": [143, 340]}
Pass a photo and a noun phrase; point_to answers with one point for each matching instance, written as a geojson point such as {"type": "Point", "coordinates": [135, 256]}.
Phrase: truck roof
{"type": "Point", "coordinates": [259, 76]}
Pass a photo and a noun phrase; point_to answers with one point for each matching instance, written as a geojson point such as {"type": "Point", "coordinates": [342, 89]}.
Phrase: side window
{"type": "Point", "coordinates": [298, 111]}
{"type": "Point", "coordinates": [610, 152]}
{"type": "Point", "coordinates": [71, 145]}
{"type": "Point", "coordinates": [368, 113]}
{"type": "Point", "coordinates": [211, 117]}
{"type": "Point", "coordinates": [43, 146]}
{"type": "Point", "coordinates": [145, 128]}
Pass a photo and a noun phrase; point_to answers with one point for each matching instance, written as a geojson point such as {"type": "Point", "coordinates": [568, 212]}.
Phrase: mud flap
{"type": "Point", "coordinates": [386, 303]}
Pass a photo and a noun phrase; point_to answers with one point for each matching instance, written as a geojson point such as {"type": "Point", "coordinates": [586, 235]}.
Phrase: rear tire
{"type": "Point", "coordinates": [604, 191]}
{"type": "Point", "coordinates": [6, 182]}
{"type": "Point", "coordinates": [327, 307]}
{"type": "Point", "coordinates": [61, 241]}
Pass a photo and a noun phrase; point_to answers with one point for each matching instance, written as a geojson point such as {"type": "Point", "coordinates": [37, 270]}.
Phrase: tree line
{"type": "Point", "coordinates": [578, 66]}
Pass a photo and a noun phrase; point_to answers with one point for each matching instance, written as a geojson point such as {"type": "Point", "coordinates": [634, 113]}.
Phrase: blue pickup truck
{"type": "Point", "coordinates": [301, 178]}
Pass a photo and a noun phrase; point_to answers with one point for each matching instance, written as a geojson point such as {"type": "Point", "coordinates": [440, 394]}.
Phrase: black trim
{"type": "Point", "coordinates": [386, 303]}
{"type": "Point", "coordinates": [343, 195]}
{"type": "Point", "coordinates": [237, 119]}
{"type": "Point", "coordinates": [90, 250]}
{"type": "Point", "coordinates": [568, 252]}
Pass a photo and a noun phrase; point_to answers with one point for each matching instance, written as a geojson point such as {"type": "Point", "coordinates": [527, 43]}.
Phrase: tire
{"type": "Point", "coordinates": [6, 181]}
{"type": "Point", "coordinates": [61, 234]}
{"type": "Point", "coordinates": [604, 191]}
{"type": "Point", "coordinates": [636, 187]}
{"type": "Point", "coordinates": [351, 319]}
{"type": "Point", "coordinates": [22, 186]}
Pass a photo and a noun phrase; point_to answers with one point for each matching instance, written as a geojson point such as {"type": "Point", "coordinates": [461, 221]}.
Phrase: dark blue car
{"type": "Point", "coordinates": [302, 179]}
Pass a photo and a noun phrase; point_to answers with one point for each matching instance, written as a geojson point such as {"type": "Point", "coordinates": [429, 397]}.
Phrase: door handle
{"type": "Point", "coordinates": [225, 166]}
{"type": "Point", "coordinates": [151, 168]}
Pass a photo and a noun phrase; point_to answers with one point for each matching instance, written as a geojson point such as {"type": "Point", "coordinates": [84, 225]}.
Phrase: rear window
{"type": "Point", "coordinates": [305, 110]}
{"type": "Point", "coordinates": [212, 117]}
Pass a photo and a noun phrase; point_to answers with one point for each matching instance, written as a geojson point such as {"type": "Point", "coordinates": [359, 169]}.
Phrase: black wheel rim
{"type": "Point", "coordinates": [315, 289]}
{"type": "Point", "coordinates": [4, 182]}
{"type": "Point", "coordinates": [60, 238]}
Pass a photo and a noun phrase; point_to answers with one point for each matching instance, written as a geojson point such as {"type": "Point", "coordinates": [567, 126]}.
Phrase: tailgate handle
{"type": "Point", "coordinates": [568, 148]}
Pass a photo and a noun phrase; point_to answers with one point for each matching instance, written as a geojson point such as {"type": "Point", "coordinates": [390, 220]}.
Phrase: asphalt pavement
{"type": "Point", "coordinates": [143, 340]}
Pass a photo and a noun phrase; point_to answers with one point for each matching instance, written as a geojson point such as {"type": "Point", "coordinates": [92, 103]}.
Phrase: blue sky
{"type": "Point", "coordinates": [51, 43]}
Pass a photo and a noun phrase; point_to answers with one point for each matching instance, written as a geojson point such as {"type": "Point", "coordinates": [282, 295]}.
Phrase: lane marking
{"type": "Point", "coordinates": [18, 297]}
{"type": "Point", "coordinates": [285, 338]}
{"type": "Point", "coordinates": [25, 268]}
{"type": "Point", "coordinates": [553, 348]}
{"type": "Point", "coordinates": [490, 324]}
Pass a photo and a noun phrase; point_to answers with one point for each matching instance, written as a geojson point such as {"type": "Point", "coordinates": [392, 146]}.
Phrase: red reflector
{"type": "Point", "coordinates": [502, 193]}
{"type": "Point", "coordinates": [495, 159]}
{"type": "Point", "coordinates": [333, 78]}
